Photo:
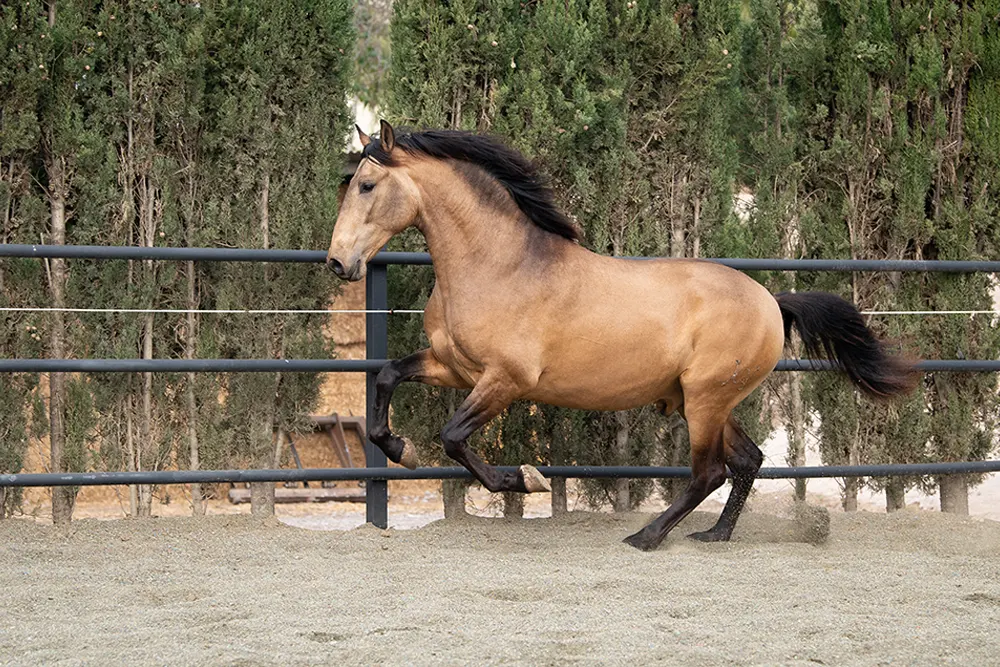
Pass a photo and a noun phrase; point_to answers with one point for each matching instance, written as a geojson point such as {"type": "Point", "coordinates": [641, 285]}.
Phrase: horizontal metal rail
{"type": "Point", "coordinates": [358, 365]}
{"type": "Point", "coordinates": [572, 472]}
{"type": "Point", "coordinates": [422, 258]}
{"type": "Point", "coordinates": [190, 365]}
{"type": "Point", "coordinates": [376, 473]}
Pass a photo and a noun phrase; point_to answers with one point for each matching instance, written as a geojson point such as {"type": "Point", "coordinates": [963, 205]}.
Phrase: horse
{"type": "Point", "coordinates": [520, 310]}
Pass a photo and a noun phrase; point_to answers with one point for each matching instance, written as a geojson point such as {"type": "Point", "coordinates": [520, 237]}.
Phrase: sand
{"type": "Point", "coordinates": [909, 588]}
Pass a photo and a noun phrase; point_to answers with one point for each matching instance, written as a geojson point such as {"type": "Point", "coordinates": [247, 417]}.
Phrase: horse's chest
{"type": "Point", "coordinates": [457, 340]}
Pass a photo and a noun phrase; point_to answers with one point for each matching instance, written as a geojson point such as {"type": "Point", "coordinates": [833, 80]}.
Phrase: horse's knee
{"type": "Point", "coordinates": [386, 379]}
{"type": "Point", "coordinates": [453, 444]}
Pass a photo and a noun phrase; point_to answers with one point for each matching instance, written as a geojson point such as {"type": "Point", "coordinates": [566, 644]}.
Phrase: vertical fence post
{"type": "Point", "coordinates": [376, 347]}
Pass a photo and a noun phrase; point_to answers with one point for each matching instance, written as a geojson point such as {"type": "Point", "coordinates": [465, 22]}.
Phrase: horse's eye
{"type": "Point", "coordinates": [366, 187]}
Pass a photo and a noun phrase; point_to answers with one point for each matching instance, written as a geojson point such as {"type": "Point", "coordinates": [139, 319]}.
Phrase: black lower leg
{"type": "Point", "coordinates": [744, 460]}
{"type": "Point", "coordinates": [709, 473]}
{"type": "Point", "coordinates": [484, 403]}
{"type": "Point", "coordinates": [653, 534]}
{"type": "Point", "coordinates": [492, 478]}
{"type": "Point", "coordinates": [390, 377]}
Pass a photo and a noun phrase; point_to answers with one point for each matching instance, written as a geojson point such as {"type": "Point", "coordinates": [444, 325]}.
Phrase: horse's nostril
{"type": "Point", "coordinates": [336, 267]}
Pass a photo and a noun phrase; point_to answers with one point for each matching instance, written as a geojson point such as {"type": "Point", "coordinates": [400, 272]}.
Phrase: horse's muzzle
{"type": "Point", "coordinates": [353, 274]}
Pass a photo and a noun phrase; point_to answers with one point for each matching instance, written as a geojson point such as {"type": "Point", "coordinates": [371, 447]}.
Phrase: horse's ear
{"type": "Point", "coordinates": [386, 136]}
{"type": "Point", "coordinates": [365, 139]}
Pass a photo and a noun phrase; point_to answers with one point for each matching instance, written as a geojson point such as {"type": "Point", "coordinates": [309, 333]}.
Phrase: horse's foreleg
{"type": "Point", "coordinates": [491, 395]}
{"type": "Point", "coordinates": [744, 459]}
{"type": "Point", "coordinates": [708, 474]}
{"type": "Point", "coordinates": [418, 367]}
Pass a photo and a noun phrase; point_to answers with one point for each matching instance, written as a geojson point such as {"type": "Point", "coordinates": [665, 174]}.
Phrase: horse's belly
{"type": "Point", "coordinates": [606, 383]}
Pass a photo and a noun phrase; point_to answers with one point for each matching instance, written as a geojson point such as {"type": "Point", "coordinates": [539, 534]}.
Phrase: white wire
{"type": "Point", "coordinates": [930, 312]}
{"type": "Point", "coordinates": [362, 311]}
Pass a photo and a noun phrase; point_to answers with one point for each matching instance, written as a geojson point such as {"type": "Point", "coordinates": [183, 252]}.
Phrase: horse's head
{"type": "Point", "coordinates": [381, 201]}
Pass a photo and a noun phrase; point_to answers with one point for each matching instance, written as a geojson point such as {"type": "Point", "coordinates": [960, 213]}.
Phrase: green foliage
{"type": "Point", "coordinates": [277, 88]}
{"type": "Point", "coordinates": [890, 145]}
{"type": "Point", "coordinates": [371, 23]}
{"type": "Point", "coordinates": [179, 124]}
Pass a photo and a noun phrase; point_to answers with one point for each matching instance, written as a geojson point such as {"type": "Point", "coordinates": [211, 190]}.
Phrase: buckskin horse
{"type": "Point", "coordinates": [521, 311]}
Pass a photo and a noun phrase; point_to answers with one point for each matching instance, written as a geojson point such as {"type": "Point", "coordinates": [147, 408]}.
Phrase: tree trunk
{"type": "Point", "coordinates": [954, 494]}
{"type": "Point", "coordinates": [133, 455]}
{"type": "Point", "coordinates": [513, 505]}
{"type": "Point", "coordinates": [147, 204]}
{"type": "Point", "coordinates": [62, 497]}
{"type": "Point", "coordinates": [262, 498]}
{"type": "Point", "coordinates": [850, 499]}
{"type": "Point", "coordinates": [621, 502]}
{"type": "Point", "coordinates": [852, 484]}
{"type": "Point", "coordinates": [676, 428]}
{"type": "Point", "coordinates": [191, 220]}
{"type": "Point", "coordinates": [558, 498]}
{"type": "Point", "coordinates": [895, 494]}
{"type": "Point", "coordinates": [262, 493]}
{"type": "Point", "coordinates": [453, 495]}
{"type": "Point", "coordinates": [197, 498]}
{"type": "Point", "coordinates": [797, 433]}
{"type": "Point", "coordinates": [145, 490]}
{"type": "Point", "coordinates": [128, 222]}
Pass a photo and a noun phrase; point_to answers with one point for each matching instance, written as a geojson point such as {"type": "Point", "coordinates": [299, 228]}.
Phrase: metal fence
{"type": "Point", "coordinates": [376, 473]}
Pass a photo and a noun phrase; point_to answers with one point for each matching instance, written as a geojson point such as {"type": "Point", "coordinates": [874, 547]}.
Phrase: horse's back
{"type": "Point", "coordinates": [627, 332]}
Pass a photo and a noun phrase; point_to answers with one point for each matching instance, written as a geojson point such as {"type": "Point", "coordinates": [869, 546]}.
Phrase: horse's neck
{"type": "Point", "coordinates": [471, 242]}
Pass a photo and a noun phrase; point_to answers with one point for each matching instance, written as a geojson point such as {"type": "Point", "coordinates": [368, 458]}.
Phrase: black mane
{"type": "Point", "coordinates": [511, 169]}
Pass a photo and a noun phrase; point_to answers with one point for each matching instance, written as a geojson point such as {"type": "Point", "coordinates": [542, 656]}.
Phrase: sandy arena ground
{"type": "Point", "coordinates": [915, 588]}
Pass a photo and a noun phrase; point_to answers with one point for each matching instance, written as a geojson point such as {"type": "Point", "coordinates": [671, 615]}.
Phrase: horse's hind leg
{"type": "Point", "coordinates": [491, 395]}
{"type": "Point", "coordinates": [744, 459]}
{"type": "Point", "coordinates": [418, 367]}
{"type": "Point", "coordinates": [708, 473]}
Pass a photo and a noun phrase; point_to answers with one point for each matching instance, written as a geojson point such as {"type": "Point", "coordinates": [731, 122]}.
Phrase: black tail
{"type": "Point", "coordinates": [832, 327]}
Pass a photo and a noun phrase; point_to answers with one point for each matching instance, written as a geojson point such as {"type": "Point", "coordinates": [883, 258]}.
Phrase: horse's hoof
{"type": "Point", "coordinates": [534, 481]}
{"type": "Point", "coordinates": [709, 536]}
{"type": "Point", "coordinates": [640, 541]}
{"type": "Point", "coordinates": [409, 456]}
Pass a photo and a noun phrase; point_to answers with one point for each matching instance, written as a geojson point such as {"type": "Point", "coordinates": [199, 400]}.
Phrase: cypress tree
{"type": "Point", "coordinates": [63, 44]}
{"type": "Point", "coordinates": [783, 63]}
{"type": "Point", "coordinates": [891, 181]}
{"type": "Point", "coordinates": [953, 76]}
{"type": "Point", "coordinates": [21, 209]}
{"type": "Point", "coordinates": [852, 216]}
{"type": "Point", "coordinates": [130, 200]}
{"type": "Point", "coordinates": [277, 88]}
{"type": "Point", "coordinates": [124, 120]}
